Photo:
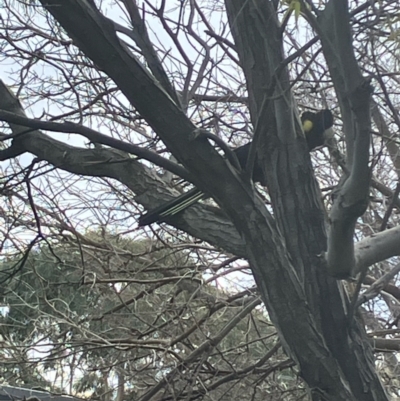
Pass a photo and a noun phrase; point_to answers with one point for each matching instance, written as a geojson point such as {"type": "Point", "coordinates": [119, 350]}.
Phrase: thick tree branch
{"type": "Point", "coordinates": [174, 128]}
{"type": "Point", "coordinates": [92, 135]}
{"type": "Point", "coordinates": [201, 222]}
{"type": "Point", "coordinates": [354, 94]}
{"type": "Point", "coordinates": [296, 201]}
{"type": "Point", "coordinates": [377, 247]}
{"type": "Point", "coordinates": [142, 39]}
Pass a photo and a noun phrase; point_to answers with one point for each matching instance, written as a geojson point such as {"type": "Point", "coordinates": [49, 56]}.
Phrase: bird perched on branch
{"type": "Point", "coordinates": [316, 126]}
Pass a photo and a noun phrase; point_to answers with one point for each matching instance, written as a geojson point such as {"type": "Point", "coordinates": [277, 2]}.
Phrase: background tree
{"type": "Point", "coordinates": [125, 77]}
{"type": "Point", "coordinates": [136, 312]}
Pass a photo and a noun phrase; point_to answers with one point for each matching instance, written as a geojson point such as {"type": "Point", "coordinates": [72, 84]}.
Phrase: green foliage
{"type": "Point", "coordinates": [113, 305]}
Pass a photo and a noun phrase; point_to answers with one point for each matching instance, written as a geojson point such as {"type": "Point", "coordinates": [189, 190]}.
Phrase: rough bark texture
{"type": "Point", "coordinates": [297, 206]}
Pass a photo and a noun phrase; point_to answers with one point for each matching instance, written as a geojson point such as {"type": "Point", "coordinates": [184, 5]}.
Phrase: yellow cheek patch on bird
{"type": "Point", "coordinates": [307, 125]}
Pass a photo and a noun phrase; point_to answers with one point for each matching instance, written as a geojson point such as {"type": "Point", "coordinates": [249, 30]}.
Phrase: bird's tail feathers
{"type": "Point", "coordinates": [171, 208]}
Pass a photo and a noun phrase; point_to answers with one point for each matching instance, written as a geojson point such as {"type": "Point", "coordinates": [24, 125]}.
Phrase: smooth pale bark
{"type": "Point", "coordinates": [354, 95]}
